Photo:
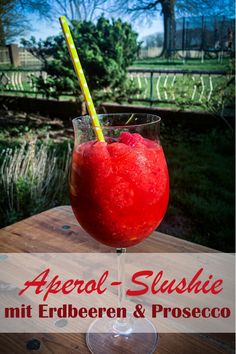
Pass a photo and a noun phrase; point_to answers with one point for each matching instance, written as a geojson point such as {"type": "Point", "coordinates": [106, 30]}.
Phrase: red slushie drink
{"type": "Point", "coordinates": [119, 189]}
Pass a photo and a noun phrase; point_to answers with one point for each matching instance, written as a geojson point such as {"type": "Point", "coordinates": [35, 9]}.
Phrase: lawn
{"type": "Point", "coordinates": [189, 64]}
{"type": "Point", "coordinates": [34, 160]}
{"type": "Point", "coordinates": [189, 91]}
{"type": "Point", "coordinates": [180, 91]}
{"type": "Point", "coordinates": [201, 168]}
{"type": "Point", "coordinates": [177, 91]}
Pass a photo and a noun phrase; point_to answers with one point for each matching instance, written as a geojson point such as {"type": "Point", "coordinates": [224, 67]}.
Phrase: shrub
{"type": "Point", "coordinates": [106, 49]}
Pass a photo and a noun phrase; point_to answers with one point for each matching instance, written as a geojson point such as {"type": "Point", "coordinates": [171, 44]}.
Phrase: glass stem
{"type": "Point", "coordinates": [121, 274]}
{"type": "Point", "coordinates": [122, 326]}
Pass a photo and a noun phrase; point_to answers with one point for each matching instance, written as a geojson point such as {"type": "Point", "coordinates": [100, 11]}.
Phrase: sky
{"type": "Point", "coordinates": [43, 29]}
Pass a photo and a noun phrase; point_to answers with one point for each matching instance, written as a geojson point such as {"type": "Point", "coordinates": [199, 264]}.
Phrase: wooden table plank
{"type": "Point", "coordinates": [46, 232]}
{"type": "Point", "coordinates": [57, 230]}
{"type": "Point", "coordinates": [74, 343]}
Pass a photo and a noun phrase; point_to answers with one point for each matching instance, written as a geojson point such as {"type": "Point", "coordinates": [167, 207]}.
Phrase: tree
{"type": "Point", "coordinates": [13, 17]}
{"type": "Point", "coordinates": [87, 10]}
{"type": "Point", "coordinates": [15, 14]}
{"type": "Point", "coordinates": [140, 9]}
{"type": "Point", "coordinates": [106, 49]}
{"type": "Point", "coordinates": [11, 23]}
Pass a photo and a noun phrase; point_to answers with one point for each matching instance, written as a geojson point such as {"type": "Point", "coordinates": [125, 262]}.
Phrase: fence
{"type": "Point", "coordinates": [20, 81]}
{"type": "Point", "coordinates": [206, 34]}
{"type": "Point", "coordinates": [155, 86]}
{"type": "Point", "coordinates": [4, 56]}
{"type": "Point", "coordinates": [176, 87]}
{"type": "Point", "coordinates": [18, 57]}
{"type": "Point", "coordinates": [184, 55]}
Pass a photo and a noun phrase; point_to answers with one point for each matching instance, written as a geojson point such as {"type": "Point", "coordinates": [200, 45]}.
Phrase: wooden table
{"type": "Point", "coordinates": [57, 230]}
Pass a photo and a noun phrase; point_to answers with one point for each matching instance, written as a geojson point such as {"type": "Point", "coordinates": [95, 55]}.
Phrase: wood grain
{"type": "Point", "coordinates": [57, 230]}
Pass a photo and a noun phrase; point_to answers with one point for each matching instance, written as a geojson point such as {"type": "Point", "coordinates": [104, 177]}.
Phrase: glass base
{"type": "Point", "coordinates": [144, 342]}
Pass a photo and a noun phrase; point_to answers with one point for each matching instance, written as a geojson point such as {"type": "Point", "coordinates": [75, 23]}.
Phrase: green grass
{"type": "Point", "coordinates": [190, 64]}
{"type": "Point", "coordinates": [32, 94]}
{"type": "Point", "coordinates": [183, 91]}
{"type": "Point", "coordinates": [201, 168]}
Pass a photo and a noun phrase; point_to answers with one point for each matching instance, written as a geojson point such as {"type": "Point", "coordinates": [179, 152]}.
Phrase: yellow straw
{"type": "Point", "coordinates": [80, 75]}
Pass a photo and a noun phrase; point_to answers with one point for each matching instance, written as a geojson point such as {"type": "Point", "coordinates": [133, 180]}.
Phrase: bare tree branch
{"type": "Point", "coordinates": [87, 10]}
{"type": "Point", "coordinates": [72, 10]}
{"type": "Point", "coordinates": [148, 6]}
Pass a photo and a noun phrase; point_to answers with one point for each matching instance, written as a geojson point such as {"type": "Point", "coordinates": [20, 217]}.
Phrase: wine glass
{"type": "Point", "coordinates": [119, 192]}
